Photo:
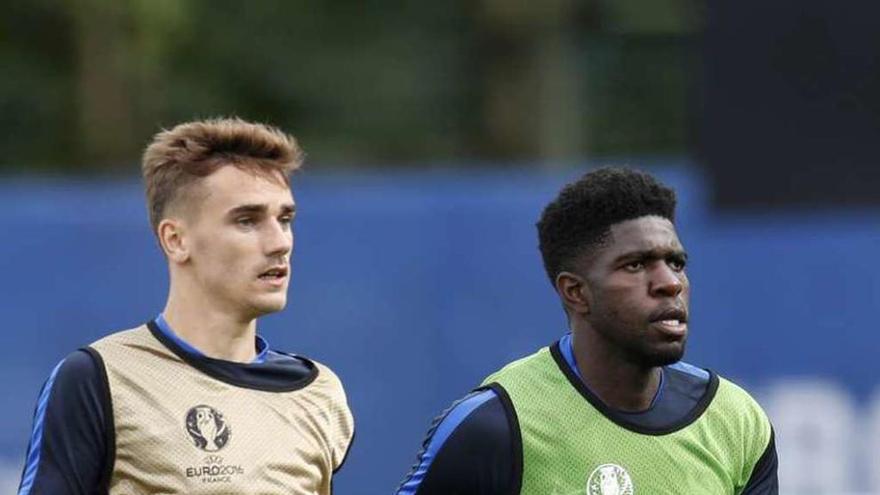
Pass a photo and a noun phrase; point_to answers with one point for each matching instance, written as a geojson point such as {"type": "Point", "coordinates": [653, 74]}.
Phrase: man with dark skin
{"type": "Point", "coordinates": [609, 409]}
{"type": "Point", "coordinates": [628, 332]}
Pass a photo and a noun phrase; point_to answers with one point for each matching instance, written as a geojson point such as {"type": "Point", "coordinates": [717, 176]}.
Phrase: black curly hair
{"type": "Point", "coordinates": [581, 216]}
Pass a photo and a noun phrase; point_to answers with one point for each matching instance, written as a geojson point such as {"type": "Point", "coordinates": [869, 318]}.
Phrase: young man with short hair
{"type": "Point", "coordinates": [608, 409]}
{"type": "Point", "coordinates": [195, 401]}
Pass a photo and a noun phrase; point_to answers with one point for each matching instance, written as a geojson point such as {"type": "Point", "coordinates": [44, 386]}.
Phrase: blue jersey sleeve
{"type": "Point", "coordinates": [469, 450]}
{"type": "Point", "coordinates": [71, 446]}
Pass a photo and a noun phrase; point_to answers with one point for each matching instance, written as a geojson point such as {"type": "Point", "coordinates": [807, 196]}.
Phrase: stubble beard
{"type": "Point", "coordinates": [636, 345]}
{"type": "Point", "coordinates": [661, 357]}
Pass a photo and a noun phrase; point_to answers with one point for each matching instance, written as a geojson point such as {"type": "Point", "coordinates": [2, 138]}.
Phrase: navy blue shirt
{"type": "Point", "coordinates": [470, 447]}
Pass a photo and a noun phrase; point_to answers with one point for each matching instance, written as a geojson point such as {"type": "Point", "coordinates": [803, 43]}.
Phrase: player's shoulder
{"type": "Point", "coordinates": [520, 366]}
{"type": "Point", "coordinates": [726, 394]}
{"type": "Point", "coordinates": [324, 380]}
{"type": "Point", "coordinates": [123, 338]}
{"type": "Point", "coordinates": [690, 373]}
{"type": "Point", "coordinates": [735, 409]}
{"type": "Point", "coordinates": [470, 440]}
{"type": "Point", "coordinates": [326, 373]}
{"type": "Point", "coordinates": [325, 398]}
{"type": "Point", "coordinates": [737, 399]}
{"type": "Point", "coordinates": [481, 414]}
{"type": "Point", "coordinates": [80, 366]}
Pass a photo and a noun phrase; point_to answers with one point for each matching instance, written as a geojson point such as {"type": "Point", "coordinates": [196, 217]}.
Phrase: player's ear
{"type": "Point", "coordinates": [574, 292]}
{"type": "Point", "coordinates": [172, 238]}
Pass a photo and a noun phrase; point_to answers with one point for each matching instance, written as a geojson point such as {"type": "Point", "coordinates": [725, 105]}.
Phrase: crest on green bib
{"type": "Point", "coordinates": [609, 479]}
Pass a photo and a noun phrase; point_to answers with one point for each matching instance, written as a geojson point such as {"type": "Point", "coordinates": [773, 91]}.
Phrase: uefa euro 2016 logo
{"type": "Point", "coordinates": [207, 428]}
{"type": "Point", "coordinates": [609, 479]}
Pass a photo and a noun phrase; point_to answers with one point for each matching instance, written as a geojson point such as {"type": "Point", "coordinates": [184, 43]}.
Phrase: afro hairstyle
{"type": "Point", "coordinates": [580, 217]}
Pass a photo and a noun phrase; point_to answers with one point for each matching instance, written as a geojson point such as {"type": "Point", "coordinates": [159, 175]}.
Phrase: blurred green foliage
{"type": "Point", "coordinates": [87, 83]}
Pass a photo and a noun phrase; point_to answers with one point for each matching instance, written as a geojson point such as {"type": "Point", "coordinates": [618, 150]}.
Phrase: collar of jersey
{"type": "Point", "coordinates": [281, 371]}
{"type": "Point", "coordinates": [562, 353]}
{"type": "Point", "coordinates": [566, 347]}
{"type": "Point", "coordinates": [262, 346]}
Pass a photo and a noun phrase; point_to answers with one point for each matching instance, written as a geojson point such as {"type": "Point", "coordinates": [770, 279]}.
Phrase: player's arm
{"type": "Point", "coordinates": [71, 444]}
{"type": "Point", "coordinates": [470, 449]}
{"type": "Point", "coordinates": [763, 480]}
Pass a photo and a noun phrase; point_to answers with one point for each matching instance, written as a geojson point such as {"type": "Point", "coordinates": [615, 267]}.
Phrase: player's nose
{"type": "Point", "coordinates": [278, 239]}
{"type": "Point", "coordinates": [666, 282]}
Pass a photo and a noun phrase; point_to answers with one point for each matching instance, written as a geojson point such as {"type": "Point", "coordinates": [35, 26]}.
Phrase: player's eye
{"type": "Point", "coordinates": [285, 221]}
{"type": "Point", "coordinates": [245, 221]}
{"type": "Point", "coordinates": [634, 266]}
{"type": "Point", "coordinates": [677, 264]}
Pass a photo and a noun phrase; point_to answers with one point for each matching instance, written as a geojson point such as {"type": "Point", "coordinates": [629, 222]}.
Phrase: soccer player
{"type": "Point", "coordinates": [609, 409]}
{"type": "Point", "coordinates": [195, 401]}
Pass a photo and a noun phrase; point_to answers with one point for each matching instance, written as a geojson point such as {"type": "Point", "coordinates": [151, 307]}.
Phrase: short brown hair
{"type": "Point", "coordinates": [190, 151]}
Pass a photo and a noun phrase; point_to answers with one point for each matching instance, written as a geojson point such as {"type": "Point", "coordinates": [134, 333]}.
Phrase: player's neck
{"type": "Point", "coordinates": [216, 332]}
{"type": "Point", "coordinates": [618, 382]}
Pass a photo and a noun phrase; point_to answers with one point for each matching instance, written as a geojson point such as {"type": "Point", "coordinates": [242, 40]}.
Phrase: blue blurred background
{"type": "Point", "coordinates": [435, 135]}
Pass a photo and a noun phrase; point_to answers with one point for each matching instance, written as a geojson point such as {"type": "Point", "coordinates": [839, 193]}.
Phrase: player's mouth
{"type": "Point", "coordinates": [275, 276]}
{"type": "Point", "coordinates": [671, 321]}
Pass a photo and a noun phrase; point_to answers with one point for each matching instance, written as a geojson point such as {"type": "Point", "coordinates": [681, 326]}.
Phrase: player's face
{"type": "Point", "coordinates": [241, 240]}
{"type": "Point", "coordinates": [639, 292]}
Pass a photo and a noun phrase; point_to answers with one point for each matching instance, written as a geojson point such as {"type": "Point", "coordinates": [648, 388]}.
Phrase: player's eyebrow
{"type": "Point", "coordinates": [252, 208]}
{"type": "Point", "coordinates": [286, 209]}
{"type": "Point", "coordinates": [652, 254]}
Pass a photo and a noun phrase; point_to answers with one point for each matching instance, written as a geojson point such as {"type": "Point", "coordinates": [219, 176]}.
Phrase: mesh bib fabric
{"type": "Point", "coordinates": [570, 447]}
{"type": "Point", "coordinates": [178, 430]}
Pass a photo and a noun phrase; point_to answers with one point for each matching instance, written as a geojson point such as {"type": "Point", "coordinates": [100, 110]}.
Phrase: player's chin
{"type": "Point", "coordinates": [666, 353]}
{"type": "Point", "coordinates": [268, 303]}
